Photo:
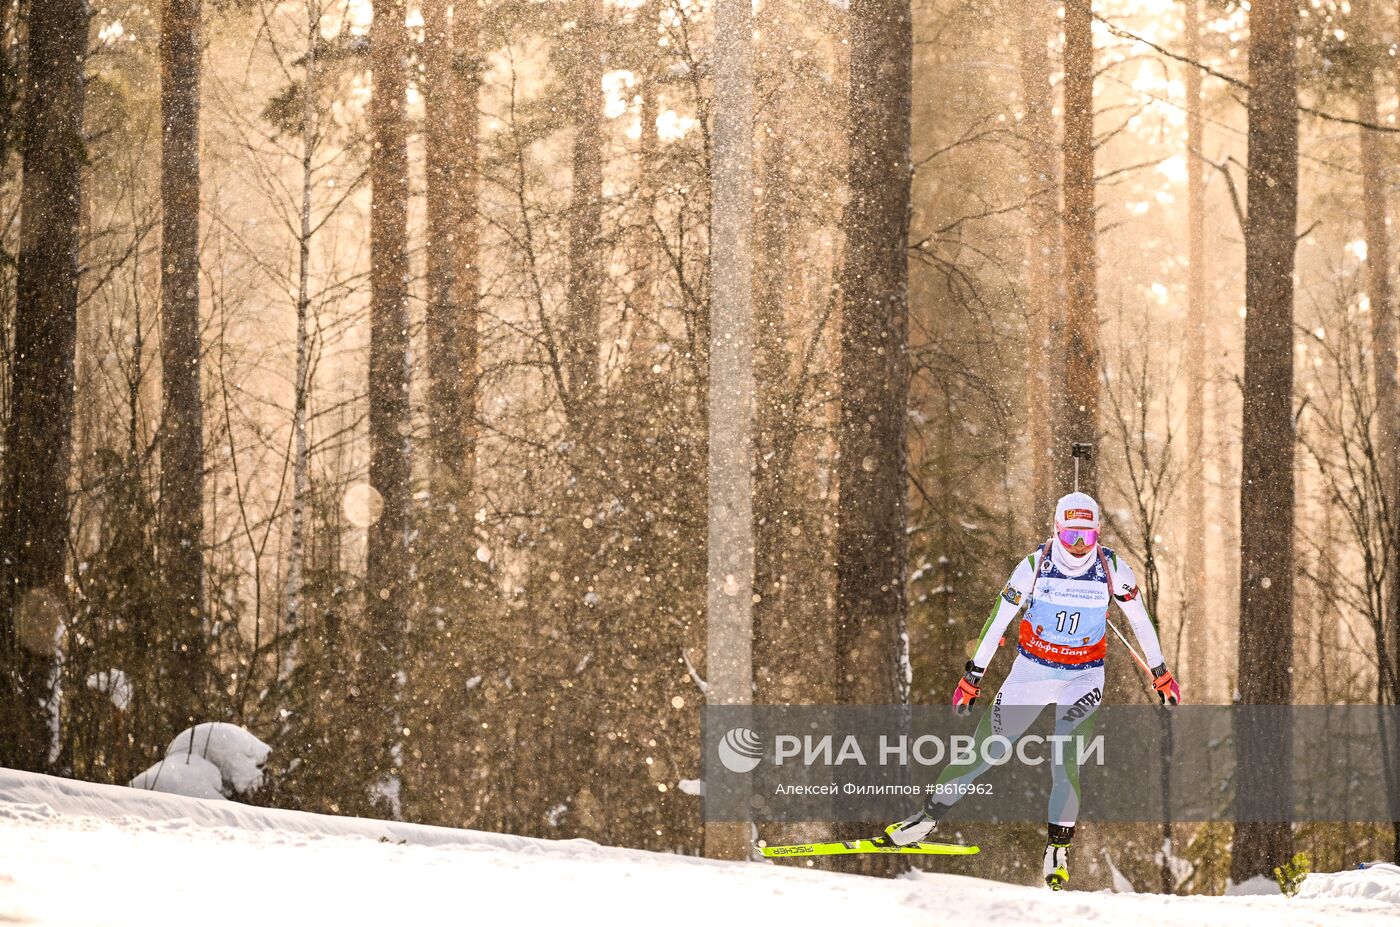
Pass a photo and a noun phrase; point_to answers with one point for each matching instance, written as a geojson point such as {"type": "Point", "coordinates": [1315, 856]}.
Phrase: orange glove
{"type": "Point", "coordinates": [1165, 684]}
{"type": "Point", "coordinates": [969, 687]}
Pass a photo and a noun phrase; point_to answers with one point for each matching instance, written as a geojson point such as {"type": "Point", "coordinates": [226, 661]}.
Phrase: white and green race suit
{"type": "Point", "coordinates": [1061, 643]}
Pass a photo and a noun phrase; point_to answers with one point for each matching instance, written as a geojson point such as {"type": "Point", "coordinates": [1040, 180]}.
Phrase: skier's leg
{"type": "Point", "coordinates": [1075, 712]}
{"type": "Point", "coordinates": [1065, 790]}
{"type": "Point", "coordinates": [1009, 716]}
{"type": "Point", "coordinates": [1028, 688]}
{"type": "Point", "coordinates": [1076, 709]}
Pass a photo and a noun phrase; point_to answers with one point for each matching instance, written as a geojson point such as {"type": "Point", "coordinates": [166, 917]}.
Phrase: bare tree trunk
{"type": "Point", "coordinates": [182, 417]}
{"type": "Point", "coordinates": [789, 665]}
{"type": "Point", "coordinates": [1375, 210]}
{"type": "Point", "coordinates": [1378, 283]}
{"type": "Point", "coordinates": [730, 571]}
{"type": "Point", "coordinates": [1195, 617]}
{"type": "Point", "coordinates": [387, 564]}
{"type": "Point", "coordinates": [296, 551]}
{"type": "Point", "coordinates": [772, 478]}
{"type": "Point", "coordinates": [38, 443]}
{"type": "Point", "coordinates": [1044, 266]}
{"type": "Point", "coordinates": [871, 642]}
{"type": "Point", "coordinates": [12, 20]}
{"type": "Point", "coordinates": [586, 211]}
{"type": "Point", "coordinates": [872, 470]}
{"type": "Point", "coordinates": [1394, 597]}
{"type": "Point", "coordinates": [1079, 418]}
{"type": "Point", "coordinates": [644, 243]}
{"type": "Point", "coordinates": [447, 565]}
{"type": "Point", "coordinates": [1266, 475]}
{"type": "Point", "coordinates": [451, 80]}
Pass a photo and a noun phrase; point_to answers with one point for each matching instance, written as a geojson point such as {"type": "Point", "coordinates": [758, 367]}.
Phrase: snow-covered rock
{"type": "Point", "coordinates": [1378, 882]}
{"type": "Point", "coordinates": [192, 776]}
{"type": "Point", "coordinates": [239, 755]}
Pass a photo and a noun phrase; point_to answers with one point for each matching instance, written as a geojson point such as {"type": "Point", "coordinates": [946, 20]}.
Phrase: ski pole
{"type": "Point", "coordinates": [1140, 661]}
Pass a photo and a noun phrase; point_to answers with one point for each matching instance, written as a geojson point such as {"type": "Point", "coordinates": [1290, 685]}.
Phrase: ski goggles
{"type": "Point", "coordinates": [1072, 536]}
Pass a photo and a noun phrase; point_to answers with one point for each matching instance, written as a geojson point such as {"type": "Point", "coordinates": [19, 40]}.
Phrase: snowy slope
{"type": "Point", "coordinates": [78, 854]}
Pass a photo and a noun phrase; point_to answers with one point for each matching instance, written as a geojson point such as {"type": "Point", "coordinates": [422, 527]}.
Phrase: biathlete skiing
{"type": "Point", "coordinates": [1062, 591]}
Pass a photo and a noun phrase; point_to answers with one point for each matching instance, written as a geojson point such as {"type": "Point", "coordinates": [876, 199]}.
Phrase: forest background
{"type": "Point", "coordinates": [356, 366]}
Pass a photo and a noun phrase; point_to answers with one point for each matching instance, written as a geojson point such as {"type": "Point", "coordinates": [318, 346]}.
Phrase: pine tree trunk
{"type": "Point", "coordinates": [447, 566]}
{"type": "Point", "coordinates": [586, 212]}
{"type": "Point", "coordinates": [1079, 416]}
{"type": "Point", "coordinates": [871, 643]}
{"type": "Point", "coordinates": [387, 565]}
{"type": "Point", "coordinates": [1266, 475]}
{"type": "Point", "coordinates": [1382, 313]}
{"type": "Point", "coordinates": [1044, 266]}
{"type": "Point", "coordinates": [730, 567]}
{"type": "Point", "coordinates": [773, 635]}
{"type": "Point", "coordinates": [182, 418]}
{"type": "Point", "coordinates": [451, 79]}
{"type": "Point", "coordinates": [1196, 620]}
{"type": "Point", "coordinates": [1378, 282]}
{"type": "Point", "coordinates": [39, 437]}
{"type": "Point", "coordinates": [1395, 570]}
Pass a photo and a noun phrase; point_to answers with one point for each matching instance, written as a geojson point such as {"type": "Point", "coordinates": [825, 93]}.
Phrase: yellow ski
{"type": "Point", "coordinates": [880, 845]}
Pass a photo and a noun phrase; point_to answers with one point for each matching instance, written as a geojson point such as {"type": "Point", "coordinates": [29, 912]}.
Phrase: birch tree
{"type": "Point", "coordinates": [301, 462]}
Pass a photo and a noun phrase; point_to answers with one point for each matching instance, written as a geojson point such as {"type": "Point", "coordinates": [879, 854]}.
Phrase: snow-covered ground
{"type": "Point", "coordinates": [78, 854]}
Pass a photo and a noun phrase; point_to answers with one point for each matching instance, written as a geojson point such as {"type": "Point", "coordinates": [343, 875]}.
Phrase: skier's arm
{"type": "Point", "coordinates": [1008, 604]}
{"type": "Point", "coordinates": [1129, 599]}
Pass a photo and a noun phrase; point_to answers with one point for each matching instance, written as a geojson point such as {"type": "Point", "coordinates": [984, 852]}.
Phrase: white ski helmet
{"type": "Point", "coordinates": [1077, 510]}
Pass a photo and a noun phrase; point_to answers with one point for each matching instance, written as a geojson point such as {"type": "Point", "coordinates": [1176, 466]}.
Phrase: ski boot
{"type": "Point", "coordinates": [1057, 856]}
{"type": "Point", "coordinates": [916, 827]}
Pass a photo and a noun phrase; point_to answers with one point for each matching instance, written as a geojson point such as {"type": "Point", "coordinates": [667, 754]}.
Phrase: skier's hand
{"type": "Point", "coordinates": [969, 687]}
{"type": "Point", "coordinates": [1165, 684]}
